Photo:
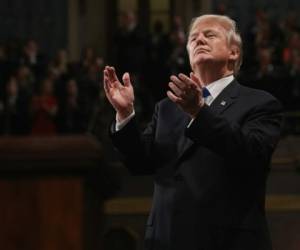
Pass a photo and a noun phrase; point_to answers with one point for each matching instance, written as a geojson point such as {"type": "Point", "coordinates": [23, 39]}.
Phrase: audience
{"type": "Point", "coordinates": [49, 95]}
{"type": "Point", "coordinates": [44, 110]}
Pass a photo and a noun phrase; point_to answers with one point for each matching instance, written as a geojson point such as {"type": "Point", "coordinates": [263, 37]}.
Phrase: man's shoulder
{"type": "Point", "coordinates": [253, 93]}
{"type": "Point", "coordinates": [257, 99]}
{"type": "Point", "coordinates": [165, 102]}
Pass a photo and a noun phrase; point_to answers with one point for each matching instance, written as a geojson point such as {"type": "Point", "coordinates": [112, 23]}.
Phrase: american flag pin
{"type": "Point", "coordinates": [223, 103]}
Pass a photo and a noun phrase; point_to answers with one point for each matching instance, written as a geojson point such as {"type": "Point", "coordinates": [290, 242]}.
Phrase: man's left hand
{"type": "Point", "coordinates": [186, 93]}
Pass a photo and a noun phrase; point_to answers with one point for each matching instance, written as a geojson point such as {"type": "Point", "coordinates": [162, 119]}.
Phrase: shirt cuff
{"type": "Point", "coordinates": [190, 123]}
{"type": "Point", "coordinates": [120, 125]}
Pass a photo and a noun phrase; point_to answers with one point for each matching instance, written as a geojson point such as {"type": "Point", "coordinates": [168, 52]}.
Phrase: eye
{"type": "Point", "coordinates": [192, 39]}
{"type": "Point", "coordinates": [210, 35]}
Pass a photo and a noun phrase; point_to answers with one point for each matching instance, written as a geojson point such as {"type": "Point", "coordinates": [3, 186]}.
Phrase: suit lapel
{"type": "Point", "coordinates": [226, 98]}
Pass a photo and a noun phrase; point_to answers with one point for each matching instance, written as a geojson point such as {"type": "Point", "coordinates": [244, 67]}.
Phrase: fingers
{"type": "Point", "coordinates": [188, 81]}
{"type": "Point", "coordinates": [173, 97]}
{"type": "Point", "coordinates": [179, 84]}
{"type": "Point", "coordinates": [182, 86]}
{"type": "Point", "coordinates": [126, 79]}
{"type": "Point", "coordinates": [107, 89]}
{"type": "Point", "coordinates": [106, 79]}
{"type": "Point", "coordinates": [176, 90]}
{"type": "Point", "coordinates": [106, 85]}
{"type": "Point", "coordinates": [112, 74]}
{"type": "Point", "coordinates": [183, 82]}
{"type": "Point", "coordinates": [111, 78]}
{"type": "Point", "coordinates": [196, 79]}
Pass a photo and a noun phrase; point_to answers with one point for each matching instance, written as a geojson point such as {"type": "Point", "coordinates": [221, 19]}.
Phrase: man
{"type": "Point", "coordinates": [209, 146]}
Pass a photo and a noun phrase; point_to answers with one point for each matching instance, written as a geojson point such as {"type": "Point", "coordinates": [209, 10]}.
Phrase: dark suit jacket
{"type": "Point", "coordinates": [210, 178]}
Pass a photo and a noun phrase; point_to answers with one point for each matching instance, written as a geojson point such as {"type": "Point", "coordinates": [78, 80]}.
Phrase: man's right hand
{"type": "Point", "coordinates": [121, 96]}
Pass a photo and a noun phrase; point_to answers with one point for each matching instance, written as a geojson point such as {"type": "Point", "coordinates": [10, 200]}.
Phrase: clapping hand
{"type": "Point", "coordinates": [121, 96]}
{"type": "Point", "coordinates": [187, 93]}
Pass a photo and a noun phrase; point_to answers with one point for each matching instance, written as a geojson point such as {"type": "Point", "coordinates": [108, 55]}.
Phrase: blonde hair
{"type": "Point", "coordinates": [232, 34]}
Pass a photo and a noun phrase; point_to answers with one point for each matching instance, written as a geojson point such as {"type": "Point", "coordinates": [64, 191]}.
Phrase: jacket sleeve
{"type": "Point", "coordinates": [136, 148]}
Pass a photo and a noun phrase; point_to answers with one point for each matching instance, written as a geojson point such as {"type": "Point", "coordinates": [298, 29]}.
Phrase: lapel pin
{"type": "Point", "coordinates": [223, 103]}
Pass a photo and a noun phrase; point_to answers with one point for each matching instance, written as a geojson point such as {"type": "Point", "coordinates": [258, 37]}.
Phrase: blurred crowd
{"type": "Point", "coordinates": [272, 58]}
{"type": "Point", "coordinates": [42, 95]}
{"type": "Point", "coordinates": [48, 94]}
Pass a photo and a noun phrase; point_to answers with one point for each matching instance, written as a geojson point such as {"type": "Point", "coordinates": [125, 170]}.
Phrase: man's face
{"type": "Point", "coordinates": [207, 44]}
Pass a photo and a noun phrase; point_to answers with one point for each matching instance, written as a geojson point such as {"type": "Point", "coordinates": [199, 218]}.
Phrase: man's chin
{"type": "Point", "coordinates": [202, 60]}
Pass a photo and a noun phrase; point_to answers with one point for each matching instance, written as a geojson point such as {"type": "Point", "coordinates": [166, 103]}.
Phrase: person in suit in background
{"type": "Point", "coordinates": [14, 109]}
{"type": "Point", "coordinates": [209, 147]}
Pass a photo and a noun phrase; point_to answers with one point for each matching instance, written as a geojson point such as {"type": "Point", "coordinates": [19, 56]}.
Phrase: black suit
{"type": "Point", "coordinates": [210, 178]}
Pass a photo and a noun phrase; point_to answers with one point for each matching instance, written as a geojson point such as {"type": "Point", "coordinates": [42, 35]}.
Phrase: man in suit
{"type": "Point", "coordinates": [209, 146]}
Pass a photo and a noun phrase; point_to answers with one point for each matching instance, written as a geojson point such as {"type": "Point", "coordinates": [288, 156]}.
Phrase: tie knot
{"type": "Point", "coordinates": [205, 92]}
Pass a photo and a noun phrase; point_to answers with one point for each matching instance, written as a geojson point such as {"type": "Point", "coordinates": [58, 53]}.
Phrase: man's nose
{"type": "Point", "coordinates": [201, 39]}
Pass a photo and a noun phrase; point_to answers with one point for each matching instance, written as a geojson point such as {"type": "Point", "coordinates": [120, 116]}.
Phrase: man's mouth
{"type": "Point", "coordinates": [201, 50]}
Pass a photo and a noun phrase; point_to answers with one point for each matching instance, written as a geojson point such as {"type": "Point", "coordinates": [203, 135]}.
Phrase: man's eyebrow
{"type": "Point", "coordinates": [193, 34]}
{"type": "Point", "coordinates": [203, 31]}
{"type": "Point", "coordinates": [209, 30]}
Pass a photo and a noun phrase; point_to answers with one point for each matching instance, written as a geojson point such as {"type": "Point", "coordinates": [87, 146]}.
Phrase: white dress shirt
{"type": "Point", "coordinates": [216, 87]}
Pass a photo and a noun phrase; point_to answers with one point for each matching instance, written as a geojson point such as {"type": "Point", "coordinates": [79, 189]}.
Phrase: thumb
{"type": "Point", "coordinates": [126, 79]}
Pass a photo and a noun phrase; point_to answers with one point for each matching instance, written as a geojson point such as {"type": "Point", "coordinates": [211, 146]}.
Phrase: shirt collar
{"type": "Point", "coordinates": [216, 87]}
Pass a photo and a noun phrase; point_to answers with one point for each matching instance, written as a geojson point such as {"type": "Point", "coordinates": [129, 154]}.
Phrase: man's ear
{"type": "Point", "coordinates": [234, 52]}
{"type": "Point", "coordinates": [188, 48]}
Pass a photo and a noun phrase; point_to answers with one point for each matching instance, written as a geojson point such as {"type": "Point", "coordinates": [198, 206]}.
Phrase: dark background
{"type": "Point", "coordinates": [52, 53]}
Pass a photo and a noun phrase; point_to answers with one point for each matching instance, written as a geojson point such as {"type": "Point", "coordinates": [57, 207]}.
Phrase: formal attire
{"type": "Point", "coordinates": [209, 173]}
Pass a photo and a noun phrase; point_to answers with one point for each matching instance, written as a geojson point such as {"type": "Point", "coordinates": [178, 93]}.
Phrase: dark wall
{"type": "Point", "coordinates": [244, 10]}
{"type": "Point", "coordinates": [43, 20]}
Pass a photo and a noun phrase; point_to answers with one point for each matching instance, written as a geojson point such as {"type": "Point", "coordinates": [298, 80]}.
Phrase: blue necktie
{"type": "Point", "coordinates": [205, 92]}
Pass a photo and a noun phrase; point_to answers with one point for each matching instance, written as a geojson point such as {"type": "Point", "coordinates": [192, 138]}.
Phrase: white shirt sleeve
{"type": "Point", "coordinates": [120, 125]}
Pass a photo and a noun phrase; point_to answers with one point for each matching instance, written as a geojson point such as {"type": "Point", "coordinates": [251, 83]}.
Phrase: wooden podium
{"type": "Point", "coordinates": [51, 193]}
